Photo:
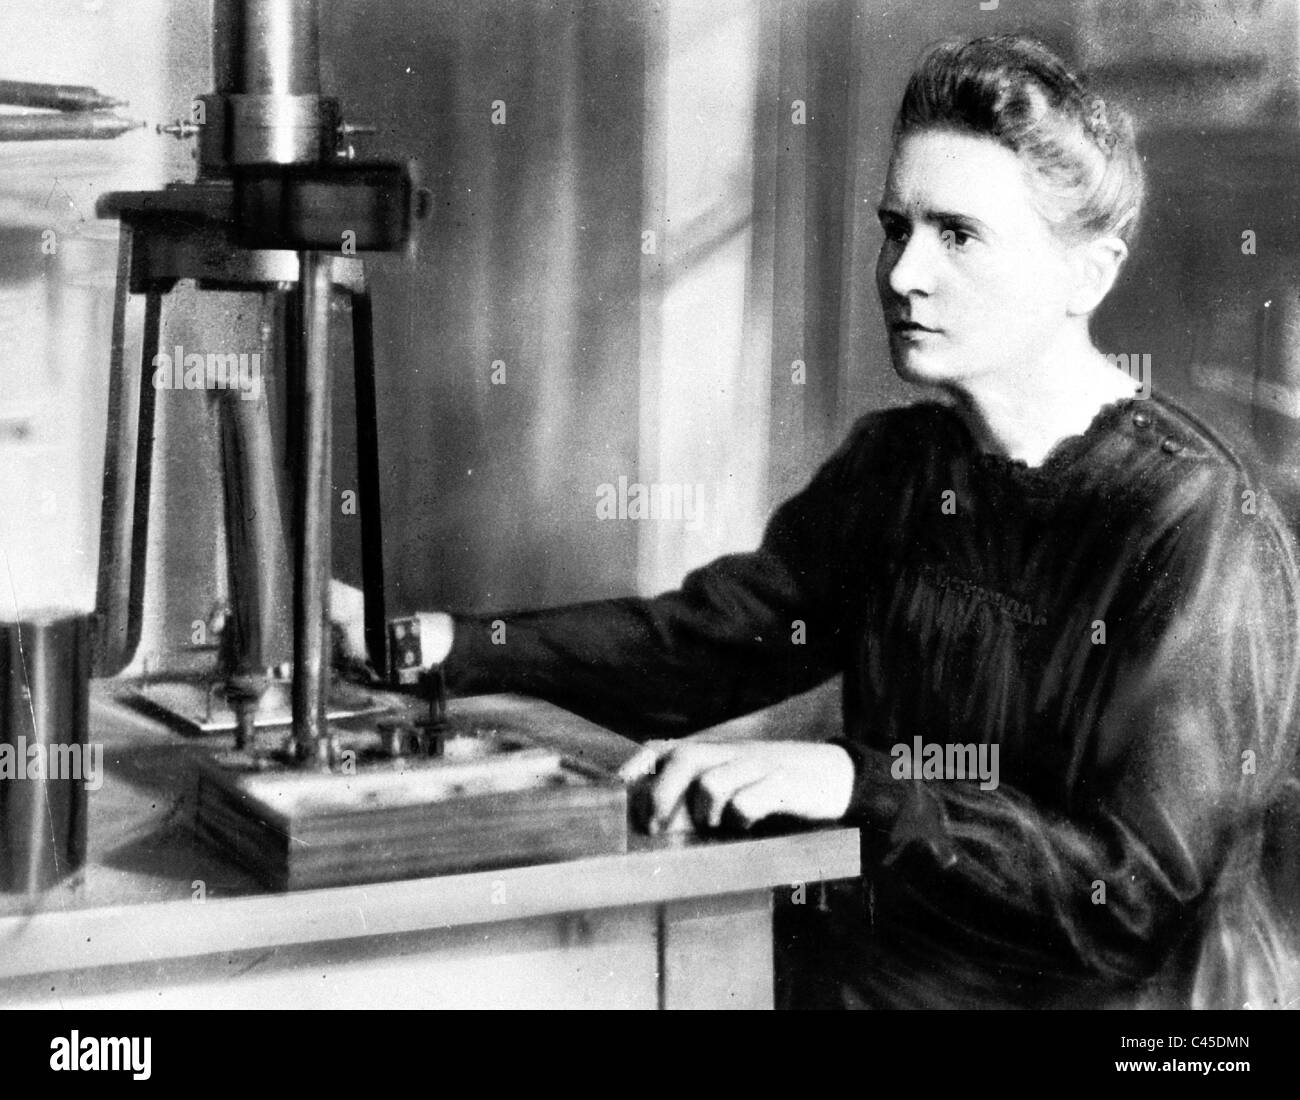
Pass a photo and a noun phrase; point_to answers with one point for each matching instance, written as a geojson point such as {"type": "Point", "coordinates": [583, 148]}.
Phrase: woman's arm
{"type": "Point", "coordinates": [741, 633]}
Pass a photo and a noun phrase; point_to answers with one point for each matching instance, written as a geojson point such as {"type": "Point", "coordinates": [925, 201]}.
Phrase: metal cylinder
{"type": "Point", "coordinates": [267, 107]}
{"type": "Point", "coordinates": [46, 761]}
{"type": "Point", "coordinates": [266, 47]}
{"type": "Point", "coordinates": [281, 129]}
{"type": "Point", "coordinates": [257, 546]}
{"type": "Point", "coordinates": [280, 48]}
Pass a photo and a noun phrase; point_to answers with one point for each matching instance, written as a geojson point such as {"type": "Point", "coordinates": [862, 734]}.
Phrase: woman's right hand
{"type": "Point", "coordinates": [348, 616]}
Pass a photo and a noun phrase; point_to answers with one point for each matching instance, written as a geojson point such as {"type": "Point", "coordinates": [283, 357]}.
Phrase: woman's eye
{"type": "Point", "coordinates": [955, 239]}
{"type": "Point", "coordinates": [895, 231]}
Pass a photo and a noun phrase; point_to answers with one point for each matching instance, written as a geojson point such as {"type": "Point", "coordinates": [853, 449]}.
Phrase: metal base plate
{"type": "Point", "coordinates": [200, 707]}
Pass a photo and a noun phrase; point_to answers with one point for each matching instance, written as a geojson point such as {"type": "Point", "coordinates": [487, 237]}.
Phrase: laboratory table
{"type": "Point", "coordinates": [158, 919]}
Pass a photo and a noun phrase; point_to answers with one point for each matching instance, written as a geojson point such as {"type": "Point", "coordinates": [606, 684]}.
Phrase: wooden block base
{"type": "Point", "coordinates": [382, 819]}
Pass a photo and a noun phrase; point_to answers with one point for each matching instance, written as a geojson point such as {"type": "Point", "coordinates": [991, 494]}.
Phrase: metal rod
{"type": "Point", "coordinates": [372, 539]}
{"type": "Point", "coordinates": [312, 516]}
{"type": "Point", "coordinates": [128, 466]}
{"type": "Point", "coordinates": [112, 591]}
{"type": "Point", "coordinates": [56, 97]}
{"type": "Point", "coordinates": [64, 127]}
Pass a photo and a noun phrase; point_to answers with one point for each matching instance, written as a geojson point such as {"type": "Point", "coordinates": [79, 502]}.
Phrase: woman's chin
{"type": "Point", "coordinates": [923, 369]}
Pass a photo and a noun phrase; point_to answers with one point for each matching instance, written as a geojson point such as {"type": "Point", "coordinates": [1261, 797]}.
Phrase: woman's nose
{"type": "Point", "coordinates": [914, 268]}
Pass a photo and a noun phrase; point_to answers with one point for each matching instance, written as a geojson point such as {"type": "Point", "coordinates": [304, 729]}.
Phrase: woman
{"type": "Point", "coordinates": [1038, 561]}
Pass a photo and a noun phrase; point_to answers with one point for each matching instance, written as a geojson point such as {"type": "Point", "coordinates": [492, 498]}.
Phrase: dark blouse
{"type": "Point", "coordinates": [1121, 622]}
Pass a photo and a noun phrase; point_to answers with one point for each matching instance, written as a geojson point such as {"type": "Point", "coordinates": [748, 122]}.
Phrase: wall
{"type": "Point", "coordinates": [672, 365]}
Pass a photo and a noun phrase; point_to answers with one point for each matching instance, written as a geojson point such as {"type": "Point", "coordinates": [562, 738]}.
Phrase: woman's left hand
{"type": "Point", "coordinates": [677, 784]}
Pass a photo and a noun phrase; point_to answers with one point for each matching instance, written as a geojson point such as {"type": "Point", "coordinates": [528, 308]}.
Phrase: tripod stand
{"type": "Point", "coordinates": [278, 207]}
{"type": "Point", "coordinates": [170, 236]}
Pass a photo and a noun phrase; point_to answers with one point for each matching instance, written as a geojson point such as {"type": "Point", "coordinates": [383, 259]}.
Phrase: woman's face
{"type": "Point", "coordinates": [968, 257]}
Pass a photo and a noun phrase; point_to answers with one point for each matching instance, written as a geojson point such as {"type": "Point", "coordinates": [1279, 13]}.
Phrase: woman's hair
{"type": "Point", "coordinates": [1080, 150]}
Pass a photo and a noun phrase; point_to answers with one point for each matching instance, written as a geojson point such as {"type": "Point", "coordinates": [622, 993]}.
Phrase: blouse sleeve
{"type": "Point", "coordinates": [1194, 739]}
{"type": "Point", "coordinates": [741, 633]}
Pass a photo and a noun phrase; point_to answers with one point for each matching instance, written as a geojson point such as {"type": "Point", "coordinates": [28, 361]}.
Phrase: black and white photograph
{"type": "Point", "coordinates": [650, 504]}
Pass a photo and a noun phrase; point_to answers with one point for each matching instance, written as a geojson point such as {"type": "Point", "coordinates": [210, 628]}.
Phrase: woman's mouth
{"type": "Point", "coordinates": [910, 328]}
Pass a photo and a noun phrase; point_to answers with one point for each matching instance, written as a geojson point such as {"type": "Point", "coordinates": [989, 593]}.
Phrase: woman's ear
{"type": "Point", "coordinates": [1096, 265]}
